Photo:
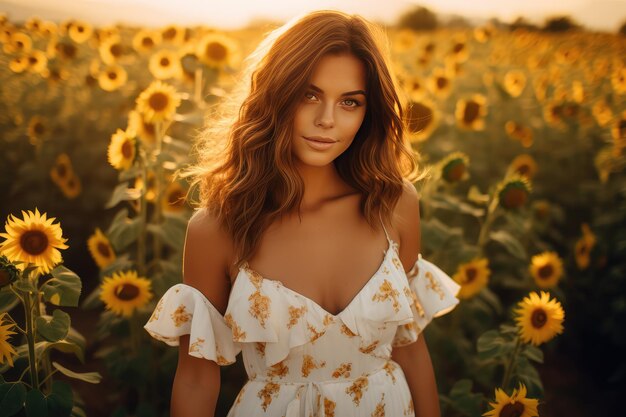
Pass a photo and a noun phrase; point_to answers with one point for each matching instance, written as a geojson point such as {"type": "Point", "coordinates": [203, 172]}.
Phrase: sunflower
{"type": "Point", "coordinates": [516, 405]}
{"type": "Point", "coordinates": [470, 113]}
{"type": "Point", "coordinates": [19, 43]}
{"type": "Point", "coordinates": [217, 50]}
{"type": "Point", "coordinates": [100, 249]}
{"type": "Point", "coordinates": [403, 40]}
{"type": "Point", "coordinates": [618, 80]}
{"type": "Point", "coordinates": [112, 78]}
{"type": "Point", "coordinates": [144, 40]}
{"type": "Point", "coordinates": [66, 51]}
{"type": "Point", "coordinates": [459, 51]}
{"type": "Point", "coordinates": [602, 112]}
{"type": "Point", "coordinates": [546, 269]}
{"type": "Point", "coordinates": [71, 188]}
{"type": "Point", "coordinates": [33, 240]}
{"type": "Point", "coordinates": [6, 350]}
{"type": "Point", "coordinates": [8, 272]}
{"type": "Point", "coordinates": [421, 119]}
{"type": "Point", "coordinates": [37, 61]}
{"type": "Point", "coordinates": [111, 50]}
{"type": "Point", "coordinates": [520, 133]}
{"type": "Point", "coordinates": [513, 191]}
{"type": "Point", "coordinates": [414, 87]}
{"type": "Point", "coordinates": [37, 130]}
{"type": "Point", "coordinates": [145, 131]}
{"type": "Point", "coordinates": [538, 318]}
{"type": "Point", "coordinates": [440, 82]}
{"type": "Point", "coordinates": [174, 198]}
{"type": "Point", "coordinates": [62, 169]}
{"type": "Point", "coordinates": [165, 64]}
{"type": "Point", "coordinates": [158, 102]}
{"type": "Point", "coordinates": [541, 209]}
{"type": "Point", "coordinates": [473, 276]}
{"type": "Point", "coordinates": [80, 32]}
{"type": "Point", "coordinates": [18, 64]}
{"type": "Point", "coordinates": [174, 34]}
{"type": "Point", "coordinates": [583, 246]}
{"type": "Point", "coordinates": [454, 167]}
{"type": "Point", "coordinates": [525, 165]}
{"type": "Point", "coordinates": [553, 113]}
{"type": "Point", "coordinates": [514, 82]}
{"type": "Point", "coordinates": [49, 29]}
{"type": "Point", "coordinates": [189, 62]}
{"type": "Point", "coordinates": [122, 150]}
{"type": "Point", "coordinates": [124, 292]}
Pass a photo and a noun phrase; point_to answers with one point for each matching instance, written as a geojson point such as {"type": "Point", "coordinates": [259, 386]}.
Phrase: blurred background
{"type": "Point", "coordinates": [518, 107]}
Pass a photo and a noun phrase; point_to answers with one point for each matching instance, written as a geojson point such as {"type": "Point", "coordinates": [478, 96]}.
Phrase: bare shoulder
{"type": "Point", "coordinates": [406, 220]}
{"type": "Point", "coordinates": [205, 258]}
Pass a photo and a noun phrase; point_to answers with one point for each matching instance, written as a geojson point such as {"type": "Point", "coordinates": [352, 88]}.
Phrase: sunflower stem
{"type": "Point", "coordinates": [141, 240]}
{"type": "Point", "coordinates": [30, 338]}
{"type": "Point", "coordinates": [484, 229]}
{"type": "Point", "coordinates": [45, 357]}
{"type": "Point", "coordinates": [511, 364]}
{"type": "Point", "coordinates": [158, 190]}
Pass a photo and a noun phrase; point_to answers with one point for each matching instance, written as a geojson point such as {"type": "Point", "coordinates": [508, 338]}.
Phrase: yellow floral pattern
{"type": "Point", "coordinates": [288, 341]}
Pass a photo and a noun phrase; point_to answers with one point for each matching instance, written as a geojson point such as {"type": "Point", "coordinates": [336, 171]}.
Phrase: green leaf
{"type": "Point", "coordinates": [124, 232]}
{"type": "Point", "coordinates": [122, 193]}
{"type": "Point", "coordinates": [63, 289]}
{"type": "Point", "coordinates": [62, 346]}
{"type": "Point", "coordinates": [91, 377]}
{"type": "Point", "coordinates": [511, 244]}
{"type": "Point", "coordinates": [53, 328]}
{"type": "Point", "coordinates": [533, 353]}
{"type": "Point", "coordinates": [8, 300]}
{"type": "Point", "coordinates": [463, 400]}
{"type": "Point", "coordinates": [528, 374]}
{"type": "Point", "coordinates": [61, 399]}
{"type": "Point", "coordinates": [36, 404]}
{"type": "Point", "coordinates": [12, 396]}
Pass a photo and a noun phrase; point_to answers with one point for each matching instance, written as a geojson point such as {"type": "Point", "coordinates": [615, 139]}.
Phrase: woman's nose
{"type": "Point", "coordinates": [325, 117]}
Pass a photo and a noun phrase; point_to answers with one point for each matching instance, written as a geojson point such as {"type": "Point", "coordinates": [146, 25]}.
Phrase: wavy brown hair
{"type": "Point", "coordinates": [246, 171]}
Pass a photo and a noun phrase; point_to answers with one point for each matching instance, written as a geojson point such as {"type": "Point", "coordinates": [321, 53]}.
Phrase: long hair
{"type": "Point", "coordinates": [246, 171]}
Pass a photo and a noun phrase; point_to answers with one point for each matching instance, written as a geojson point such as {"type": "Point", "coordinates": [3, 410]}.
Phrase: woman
{"type": "Point", "coordinates": [283, 260]}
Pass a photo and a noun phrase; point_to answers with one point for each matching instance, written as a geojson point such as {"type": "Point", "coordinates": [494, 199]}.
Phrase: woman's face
{"type": "Point", "coordinates": [332, 109]}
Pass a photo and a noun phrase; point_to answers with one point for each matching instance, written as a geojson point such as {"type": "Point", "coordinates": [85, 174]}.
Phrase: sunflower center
{"type": "Point", "coordinates": [147, 42]}
{"type": "Point", "coordinates": [512, 410]}
{"type": "Point", "coordinates": [39, 129]}
{"type": "Point", "coordinates": [69, 50]}
{"type": "Point", "coordinates": [546, 271]}
{"type": "Point", "coordinates": [523, 169]}
{"type": "Point", "coordinates": [165, 62]}
{"type": "Point", "coordinates": [112, 75]}
{"type": "Point", "coordinates": [103, 249]}
{"type": "Point", "coordinates": [61, 170]}
{"type": "Point", "coordinates": [116, 49]}
{"type": "Point", "coordinates": [216, 51]}
{"type": "Point", "coordinates": [158, 101]}
{"type": "Point", "coordinates": [515, 197]}
{"type": "Point", "coordinates": [420, 116]}
{"type": "Point", "coordinates": [538, 318]}
{"type": "Point", "coordinates": [470, 275]}
{"type": "Point", "coordinates": [127, 150]}
{"type": "Point", "coordinates": [169, 34]}
{"type": "Point", "coordinates": [455, 173]}
{"type": "Point", "coordinates": [471, 112]}
{"type": "Point", "coordinates": [34, 242]}
{"type": "Point", "coordinates": [127, 292]}
{"type": "Point", "coordinates": [459, 47]}
{"type": "Point", "coordinates": [442, 82]}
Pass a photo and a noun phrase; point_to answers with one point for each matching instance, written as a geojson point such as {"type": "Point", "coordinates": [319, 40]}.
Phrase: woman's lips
{"type": "Point", "coordinates": [317, 144]}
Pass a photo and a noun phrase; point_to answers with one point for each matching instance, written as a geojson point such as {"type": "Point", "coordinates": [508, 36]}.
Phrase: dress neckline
{"type": "Point", "coordinates": [246, 269]}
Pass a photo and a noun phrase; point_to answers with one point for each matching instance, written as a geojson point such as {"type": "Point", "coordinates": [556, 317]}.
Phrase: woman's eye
{"type": "Point", "coordinates": [309, 94]}
{"type": "Point", "coordinates": [356, 103]}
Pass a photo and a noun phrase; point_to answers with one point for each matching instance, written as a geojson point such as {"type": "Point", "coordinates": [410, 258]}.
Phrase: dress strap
{"type": "Point", "coordinates": [384, 228]}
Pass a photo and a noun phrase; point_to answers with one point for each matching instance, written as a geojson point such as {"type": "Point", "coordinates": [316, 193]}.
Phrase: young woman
{"type": "Point", "coordinates": [305, 253]}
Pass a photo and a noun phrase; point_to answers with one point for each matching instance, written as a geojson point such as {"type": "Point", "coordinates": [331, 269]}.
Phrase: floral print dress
{"type": "Point", "coordinates": [300, 359]}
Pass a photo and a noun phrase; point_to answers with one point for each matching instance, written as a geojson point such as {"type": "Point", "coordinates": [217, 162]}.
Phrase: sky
{"type": "Point", "coordinates": [594, 14]}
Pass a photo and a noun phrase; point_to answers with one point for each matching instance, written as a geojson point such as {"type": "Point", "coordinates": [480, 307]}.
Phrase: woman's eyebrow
{"type": "Point", "coordinates": [349, 93]}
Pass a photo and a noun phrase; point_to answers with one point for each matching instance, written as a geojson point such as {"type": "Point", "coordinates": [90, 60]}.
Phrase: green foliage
{"type": "Point", "coordinates": [419, 18]}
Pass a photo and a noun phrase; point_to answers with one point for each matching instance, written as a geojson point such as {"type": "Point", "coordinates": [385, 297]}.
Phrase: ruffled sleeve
{"type": "Point", "coordinates": [433, 294]}
{"type": "Point", "coordinates": [185, 310]}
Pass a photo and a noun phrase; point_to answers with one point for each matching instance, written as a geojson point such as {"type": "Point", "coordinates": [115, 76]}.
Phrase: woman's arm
{"type": "Point", "coordinates": [414, 358]}
{"type": "Point", "coordinates": [197, 382]}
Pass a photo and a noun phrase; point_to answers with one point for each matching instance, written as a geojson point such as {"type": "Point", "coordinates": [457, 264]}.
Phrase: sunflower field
{"type": "Point", "coordinates": [524, 133]}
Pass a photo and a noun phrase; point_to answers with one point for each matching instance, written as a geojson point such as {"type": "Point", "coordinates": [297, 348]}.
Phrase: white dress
{"type": "Point", "coordinates": [301, 360]}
